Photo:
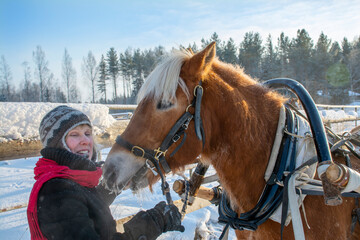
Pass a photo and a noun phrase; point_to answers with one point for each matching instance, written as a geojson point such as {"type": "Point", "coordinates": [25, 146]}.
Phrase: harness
{"type": "Point", "coordinates": [271, 196]}
{"type": "Point", "coordinates": [273, 193]}
{"type": "Point", "coordinates": [156, 158]}
{"type": "Point", "coordinates": [268, 203]}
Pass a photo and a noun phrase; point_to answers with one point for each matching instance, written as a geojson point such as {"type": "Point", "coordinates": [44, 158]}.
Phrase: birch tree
{"type": "Point", "coordinates": [90, 71]}
{"type": "Point", "coordinates": [5, 79]}
{"type": "Point", "coordinates": [69, 78]}
{"type": "Point", "coordinates": [42, 72]}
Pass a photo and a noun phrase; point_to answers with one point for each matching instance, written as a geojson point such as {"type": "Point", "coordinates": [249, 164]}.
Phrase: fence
{"type": "Point", "coordinates": [344, 123]}
{"type": "Point", "coordinates": [354, 119]}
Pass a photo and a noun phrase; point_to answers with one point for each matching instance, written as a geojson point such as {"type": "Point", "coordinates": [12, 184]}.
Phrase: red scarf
{"type": "Point", "coordinates": [44, 171]}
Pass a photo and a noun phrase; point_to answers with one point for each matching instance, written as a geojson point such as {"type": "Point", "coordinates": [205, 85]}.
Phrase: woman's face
{"type": "Point", "coordinates": [80, 140]}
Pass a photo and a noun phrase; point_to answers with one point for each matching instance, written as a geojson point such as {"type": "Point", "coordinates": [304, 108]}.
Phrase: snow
{"type": "Point", "coordinates": [21, 121]}
{"type": "Point", "coordinates": [16, 181]}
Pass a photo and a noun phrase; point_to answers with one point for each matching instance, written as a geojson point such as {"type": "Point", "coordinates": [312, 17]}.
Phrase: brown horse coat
{"type": "Point", "coordinates": [240, 119]}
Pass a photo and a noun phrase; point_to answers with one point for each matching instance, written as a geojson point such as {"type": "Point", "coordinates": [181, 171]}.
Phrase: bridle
{"type": "Point", "coordinates": [156, 158]}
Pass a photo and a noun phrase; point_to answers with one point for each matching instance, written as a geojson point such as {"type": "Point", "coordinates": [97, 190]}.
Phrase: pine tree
{"type": "Point", "coordinates": [270, 63]}
{"type": "Point", "coordinates": [138, 62]}
{"type": "Point", "coordinates": [126, 68]}
{"type": "Point", "coordinates": [148, 62]}
{"type": "Point", "coordinates": [300, 57]}
{"type": "Point", "coordinates": [282, 51]}
{"type": "Point", "coordinates": [193, 47]}
{"type": "Point", "coordinates": [159, 52]}
{"type": "Point", "coordinates": [219, 45]}
{"type": "Point", "coordinates": [230, 52]}
{"type": "Point", "coordinates": [335, 52]}
{"type": "Point", "coordinates": [103, 77]}
{"type": "Point", "coordinates": [321, 60]}
{"type": "Point", "coordinates": [346, 49]}
{"type": "Point", "coordinates": [250, 53]}
{"type": "Point", "coordinates": [353, 65]}
{"type": "Point", "coordinates": [113, 69]}
{"type": "Point", "coordinates": [59, 95]}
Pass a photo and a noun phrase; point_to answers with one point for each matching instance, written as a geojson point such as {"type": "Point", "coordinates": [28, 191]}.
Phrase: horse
{"type": "Point", "coordinates": [235, 134]}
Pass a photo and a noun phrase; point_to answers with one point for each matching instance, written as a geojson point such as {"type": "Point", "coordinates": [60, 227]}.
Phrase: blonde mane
{"type": "Point", "coordinates": [163, 81]}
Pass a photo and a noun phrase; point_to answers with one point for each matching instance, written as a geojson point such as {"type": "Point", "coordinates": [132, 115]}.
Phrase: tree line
{"type": "Point", "coordinates": [329, 70]}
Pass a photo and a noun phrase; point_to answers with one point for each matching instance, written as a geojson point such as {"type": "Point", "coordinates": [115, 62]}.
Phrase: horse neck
{"type": "Point", "coordinates": [240, 122]}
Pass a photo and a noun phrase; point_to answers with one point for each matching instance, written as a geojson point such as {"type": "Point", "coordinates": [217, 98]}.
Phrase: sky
{"type": "Point", "coordinates": [84, 25]}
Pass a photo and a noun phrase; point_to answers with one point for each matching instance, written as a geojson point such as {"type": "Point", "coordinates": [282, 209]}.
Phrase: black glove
{"type": "Point", "coordinates": [167, 216]}
{"type": "Point", "coordinates": [152, 223]}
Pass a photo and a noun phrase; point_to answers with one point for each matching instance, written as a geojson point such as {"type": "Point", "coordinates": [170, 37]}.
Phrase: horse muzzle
{"type": "Point", "coordinates": [122, 171]}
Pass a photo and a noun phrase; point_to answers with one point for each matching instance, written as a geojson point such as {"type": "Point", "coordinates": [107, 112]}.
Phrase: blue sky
{"type": "Point", "coordinates": [97, 25]}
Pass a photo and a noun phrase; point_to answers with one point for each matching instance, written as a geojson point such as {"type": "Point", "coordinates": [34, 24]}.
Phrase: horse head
{"type": "Point", "coordinates": [165, 97]}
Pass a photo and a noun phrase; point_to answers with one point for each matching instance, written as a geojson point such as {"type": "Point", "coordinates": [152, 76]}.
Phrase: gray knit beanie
{"type": "Point", "coordinates": [57, 123]}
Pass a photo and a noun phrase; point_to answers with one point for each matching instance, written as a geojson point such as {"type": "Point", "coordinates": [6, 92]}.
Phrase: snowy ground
{"type": "Point", "coordinates": [21, 121]}
{"type": "Point", "coordinates": [16, 181]}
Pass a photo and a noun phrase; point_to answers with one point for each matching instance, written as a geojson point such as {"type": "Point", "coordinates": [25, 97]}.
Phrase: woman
{"type": "Point", "coordinates": [66, 203]}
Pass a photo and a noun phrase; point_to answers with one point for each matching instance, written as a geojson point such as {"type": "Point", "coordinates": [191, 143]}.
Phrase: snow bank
{"type": "Point", "coordinates": [20, 121]}
{"type": "Point", "coordinates": [337, 114]}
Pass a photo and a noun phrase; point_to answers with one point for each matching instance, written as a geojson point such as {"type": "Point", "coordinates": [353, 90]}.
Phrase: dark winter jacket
{"type": "Point", "coordinates": [67, 210]}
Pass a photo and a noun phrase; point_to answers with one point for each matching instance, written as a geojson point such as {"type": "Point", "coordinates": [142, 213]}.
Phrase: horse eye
{"type": "Point", "coordinates": [164, 105]}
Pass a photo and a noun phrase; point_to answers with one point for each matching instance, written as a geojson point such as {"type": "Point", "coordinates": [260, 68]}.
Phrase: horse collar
{"type": "Point", "coordinates": [272, 194]}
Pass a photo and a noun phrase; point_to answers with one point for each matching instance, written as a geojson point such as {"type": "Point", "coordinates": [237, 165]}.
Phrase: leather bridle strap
{"type": "Point", "coordinates": [173, 136]}
{"type": "Point", "coordinates": [151, 155]}
{"type": "Point", "coordinates": [157, 156]}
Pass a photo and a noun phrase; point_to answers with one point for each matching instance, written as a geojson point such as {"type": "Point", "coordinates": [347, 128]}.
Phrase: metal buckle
{"type": "Point", "coordinates": [138, 148]}
{"type": "Point", "coordinates": [176, 138]}
{"type": "Point", "coordinates": [148, 165]}
{"type": "Point", "coordinates": [196, 87]}
{"type": "Point", "coordinates": [159, 153]}
{"type": "Point", "coordinates": [187, 122]}
{"type": "Point", "coordinates": [187, 108]}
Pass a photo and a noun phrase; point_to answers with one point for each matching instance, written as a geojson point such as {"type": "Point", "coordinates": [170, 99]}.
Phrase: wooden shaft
{"type": "Point", "coordinates": [203, 192]}
{"type": "Point", "coordinates": [206, 193]}
{"type": "Point", "coordinates": [179, 186]}
{"type": "Point", "coordinates": [197, 178]}
{"type": "Point", "coordinates": [337, 175]}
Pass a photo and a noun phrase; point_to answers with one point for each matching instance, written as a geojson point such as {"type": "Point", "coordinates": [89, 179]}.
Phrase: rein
{"type": "Point", "coordinates": [156, 158]}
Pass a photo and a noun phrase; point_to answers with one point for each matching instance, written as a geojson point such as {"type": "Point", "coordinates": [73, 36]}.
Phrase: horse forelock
{"type": "Point", "coordinates": [162, 82]}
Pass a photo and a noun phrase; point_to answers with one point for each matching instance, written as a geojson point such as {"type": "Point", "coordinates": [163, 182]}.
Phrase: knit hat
{"type": "Point", "coordinates": [57, 123]}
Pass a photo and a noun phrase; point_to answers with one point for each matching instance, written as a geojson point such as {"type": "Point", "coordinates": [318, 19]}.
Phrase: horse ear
{"type": "Point", "coordinates": [190, 50]}
{"type": "Point", "coordinates": [202, 60]}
